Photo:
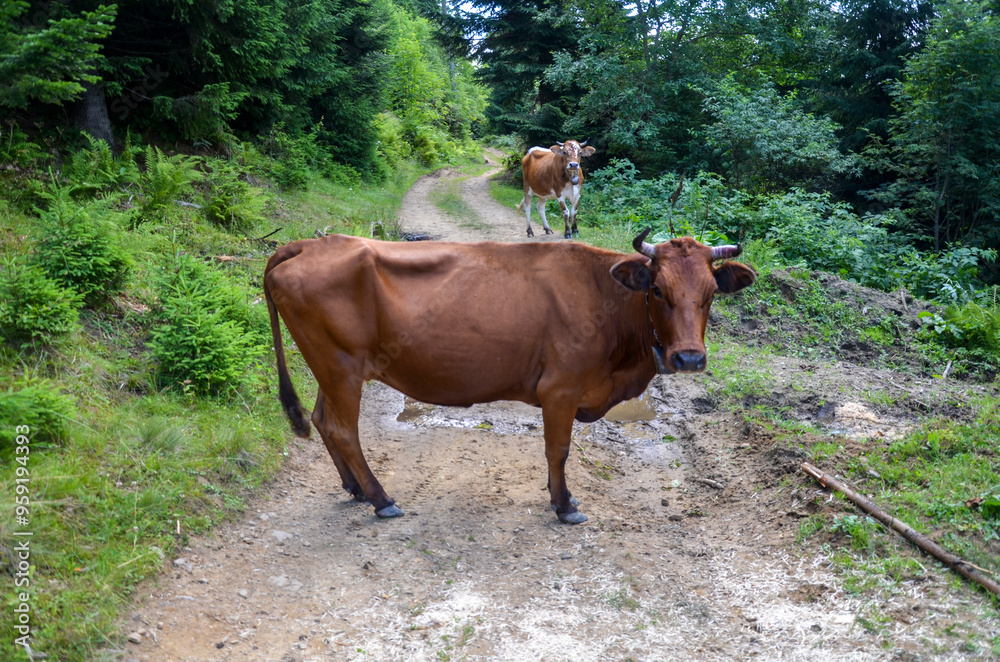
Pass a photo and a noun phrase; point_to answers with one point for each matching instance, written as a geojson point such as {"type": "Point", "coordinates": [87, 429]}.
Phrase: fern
{"type": "Point", "coordinates": [93, 170]}
{"type": "Point", "coordinates": [166, 179]}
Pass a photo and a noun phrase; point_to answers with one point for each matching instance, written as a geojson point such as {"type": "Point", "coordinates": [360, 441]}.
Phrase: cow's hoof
{"type": "Point", "coordinates": [575, 517]}
{"type": "Point", "coordinates": [389, 511]}
{"type": "Point", "coordinates": [576, 233]}
{"type": "Point", "coordinates": [574, 501]}
{"type": "Point", "coordinates": [568, 235]}
{"type": "Point", "coordinates": [530, 233]}
{"type": "Point", "coordinates": [549, 231]}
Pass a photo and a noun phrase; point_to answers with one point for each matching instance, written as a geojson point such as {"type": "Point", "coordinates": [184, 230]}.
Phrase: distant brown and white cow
{"type": "Point", "coordinates": [568, 327]}
{"type": "Point", "coordinates": [554, 174]}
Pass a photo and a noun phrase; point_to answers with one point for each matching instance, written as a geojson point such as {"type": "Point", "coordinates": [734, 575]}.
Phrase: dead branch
{"type": "Point", "coordinates": [673, 201]}
{"type": "Point", "coordinates": [925, 544]}
{"type": "Point", "coordinates": [268, 234]}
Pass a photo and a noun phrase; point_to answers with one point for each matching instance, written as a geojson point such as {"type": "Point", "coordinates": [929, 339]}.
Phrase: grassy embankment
{"type": "Point", "coordinates": [126, 461]}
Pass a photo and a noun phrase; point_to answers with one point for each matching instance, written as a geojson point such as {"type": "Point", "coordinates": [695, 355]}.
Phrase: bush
{"type": "Point", "coordinates": [231, 202]}
{"type": "Point", "coordinates": [970, 331]}
{"type": "Point", "coordinates": [41, 407]}
{"type": "Point", "coordinates": [33, 307]}
{"type": "Point", "coordinates": [812, 231]}
{"type": "Point", "coordinates": [197, 342]}
{"type": "Point", "coordinates": [341, 174]}
{"type": "Point", "coordinates": [293, 156]}
{"type": "Point", "coordinates": [951, 277]}
{"type": "Point", "coordinates": [392, 144]}
{"type": "Point", "coordinates": [78, 246]}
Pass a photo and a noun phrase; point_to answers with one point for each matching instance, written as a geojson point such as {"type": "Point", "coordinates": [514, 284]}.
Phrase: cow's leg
{"type": "Point", "coordinates": [340, 426]}
{"type": "Point", "coordinates": [347, 478]}
{"type": "Point", "coordinates": [572, 214]}
{"type": "Point", "coordinates": [557, 417]}
{"type": "Point", "coordinates": [526, 203]}
{"type": "Point", "coordinates": [540, 204]}
{"type": "Point", "coordinates": [565, 214]}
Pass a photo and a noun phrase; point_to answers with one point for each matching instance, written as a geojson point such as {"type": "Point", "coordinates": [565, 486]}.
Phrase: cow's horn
{"type": "Point", "coordinates": [640, 245]}
{"type": "Point", "coordinates": [723, 252]}
{"type": "Point", "coordinates": [559, 143]}
{"type": "Point", "coordinates": [585, 142]}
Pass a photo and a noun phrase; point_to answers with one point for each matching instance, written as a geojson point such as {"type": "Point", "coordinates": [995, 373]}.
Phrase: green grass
{"type": "Point", "coordinates": [142, 457]}
{"type": "Point", "coordinates": [942, 479]}
{"type": "Point", "coordinates": [448, 198]}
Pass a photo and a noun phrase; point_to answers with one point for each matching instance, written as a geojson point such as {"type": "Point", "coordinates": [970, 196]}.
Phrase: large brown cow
{"type": "Point", "coordinates": [568, 327]}
{"type": "Point", "coordinates": [554, 173]}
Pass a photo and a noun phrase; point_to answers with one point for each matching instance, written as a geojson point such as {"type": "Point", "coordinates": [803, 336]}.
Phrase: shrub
{"type": "Point", "coordinates": [814, 232]}
{"type": "Point", "coordinates": [341, 174]}
{"type": "Point", "coordinates": [230, 201]}
{"type": "Point", "coordinates": [970, 331]}
{"type": "Point", "coordinates": [392, 144]}
{"type": "Point", "coordinates": [196, 342]}
{"type": "Point", "coordinates": [33, 307]}
{"type": "Point", "coordinates": [949, 277]}
{"type": "Point", "coordinates": [293, 156]}
{"type": "Point", "coordinates": [38, 405]}
{"type": "Point", "coordinates": [78, 246]}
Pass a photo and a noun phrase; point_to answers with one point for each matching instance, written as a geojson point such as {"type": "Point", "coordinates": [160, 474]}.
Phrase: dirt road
{"type": "Point", "coordinates": [689, 553]}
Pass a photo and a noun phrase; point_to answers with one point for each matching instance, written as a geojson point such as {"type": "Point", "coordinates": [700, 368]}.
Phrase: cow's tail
{"type": "Point", "coordinates": [286, 391]}
{"type": "Point", "coordinates": [520, 205]}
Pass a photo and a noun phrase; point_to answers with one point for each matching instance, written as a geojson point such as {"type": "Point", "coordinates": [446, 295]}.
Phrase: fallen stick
{"type": "Point", "coordinates": [923, 542]}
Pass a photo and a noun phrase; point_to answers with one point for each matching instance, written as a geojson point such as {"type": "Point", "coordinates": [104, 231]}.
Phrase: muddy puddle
{"type": "Point", "coordinates": [643, 427]}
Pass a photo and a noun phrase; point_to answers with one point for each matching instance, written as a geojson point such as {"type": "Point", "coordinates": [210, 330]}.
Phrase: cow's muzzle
{"type": "Point", "coordinates": [688, 361]}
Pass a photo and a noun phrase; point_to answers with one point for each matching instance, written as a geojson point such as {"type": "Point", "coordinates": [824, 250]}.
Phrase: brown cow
{"type": "Point", "coordinates": [554, 173]}
{"type": "Point", "coordinates": [567, 327]}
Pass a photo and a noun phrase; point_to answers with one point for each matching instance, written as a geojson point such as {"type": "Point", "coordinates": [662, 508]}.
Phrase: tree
{"type": "Point", "coordinates": [49, 54]}
{"type": "Point", "coordinates": [518, 44]}
{"type": "Point", "coordinates": [766, 142]}
{"type": "Point", "coordinates": [946, 139]}
{"type": "Point", "coordinates": [638, 66]}
{"type": "Point", "coordinates": [871, 41]}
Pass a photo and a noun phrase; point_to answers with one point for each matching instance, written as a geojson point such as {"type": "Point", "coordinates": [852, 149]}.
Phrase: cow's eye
{"type": "Point", "coordinates": [657, 293]}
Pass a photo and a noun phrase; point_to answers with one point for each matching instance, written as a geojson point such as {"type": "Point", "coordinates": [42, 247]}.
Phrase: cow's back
{"type": "Point", "coordinates": [484, 319]}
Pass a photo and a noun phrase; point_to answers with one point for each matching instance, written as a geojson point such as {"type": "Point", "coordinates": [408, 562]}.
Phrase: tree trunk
{"type": "Point", "coordinates": [90, 114]}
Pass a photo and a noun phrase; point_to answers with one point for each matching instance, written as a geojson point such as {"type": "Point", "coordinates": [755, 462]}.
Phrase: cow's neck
{"type": "Point", "coordinates": [632, 355]}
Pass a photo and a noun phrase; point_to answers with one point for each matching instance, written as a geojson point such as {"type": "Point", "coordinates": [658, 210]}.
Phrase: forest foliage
{"type": "Point", "coordinates": [888, 105]}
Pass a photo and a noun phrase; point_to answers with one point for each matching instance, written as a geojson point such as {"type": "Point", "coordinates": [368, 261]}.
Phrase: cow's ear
{"type": "Point", "coordinates": [734, 276]}
{"type": "Point", "coordinates": [633, 273]}
{"type": "Point", "coordinates": [556, 149]}
{"type": "Point", "coordinates": [588, 151]}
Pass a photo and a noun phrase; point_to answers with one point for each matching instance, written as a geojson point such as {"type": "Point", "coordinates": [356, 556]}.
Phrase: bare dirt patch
{"type": "Point", "coordinates": [689, 553]}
